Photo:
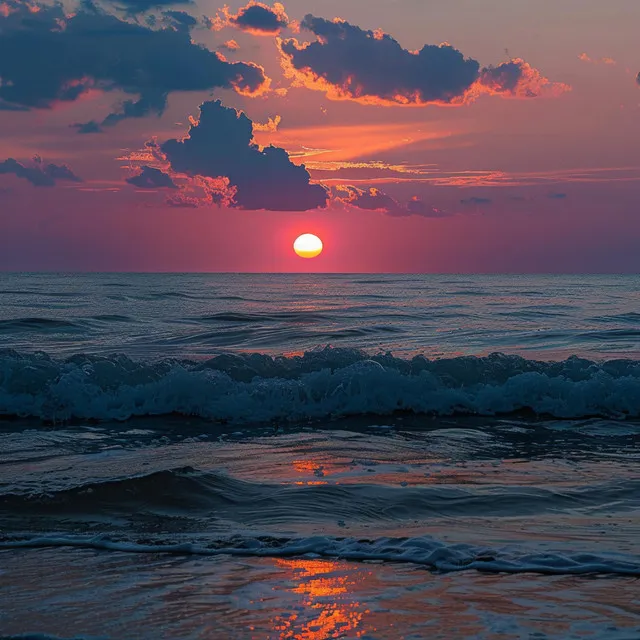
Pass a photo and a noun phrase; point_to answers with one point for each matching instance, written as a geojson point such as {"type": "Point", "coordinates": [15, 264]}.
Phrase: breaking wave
{"type": "Point", "coordinates": [422, 551]}
{"type": "Point", "coordinates": [321, 384]}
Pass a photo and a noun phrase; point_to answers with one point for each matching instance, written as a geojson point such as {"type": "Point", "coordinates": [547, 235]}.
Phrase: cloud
{"type": "Point", "coordinates": [202, 191]}
{"type": "Point", "coordinates": [142, 6]}
{"type": "Point", "coordinates": [179, 20]}
{"type": "Point", "coordinates": [229, 45]}
{"type": "Point", "coordinates": [147, 105]}
{"type": "Point", "coordinates": [48, 57]}
{"type": "Point", "coordinates": [220, 144]}
{"type": "Point", "coordinates": [256, 17]}
{"type": "Point", "coordinates": [557, 196]}
{"type": "Point", "coordinates": [87, 127]}
{"type": "Point", "coordinates": [371, 67]}
{"type": "Point", "coordinates": [38, 173]}
{"type": "Point", "coordinates": [152, 178]}
{"type": "Point", "coordinates": [517, 79]}
{"type": "Point", "coordinates": [417, 207]}
{"type": "Point", "coordinates": [638, 79]}
{"type": "Point", "coordinates": [606, 60]}
{"type": "Point", "coordinates": [474, 200]}
{"type": "Point", "coordinates": [271, 125]}
{"type": "Point", "coordinates": [373, 199]}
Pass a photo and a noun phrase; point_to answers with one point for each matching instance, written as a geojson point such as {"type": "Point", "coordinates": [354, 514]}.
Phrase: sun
{"type": "Point", "coordinates": [308, 246]}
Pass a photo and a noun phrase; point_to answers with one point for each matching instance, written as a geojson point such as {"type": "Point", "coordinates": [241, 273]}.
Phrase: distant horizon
{"type": "Point", "coordinates": [318, 273]}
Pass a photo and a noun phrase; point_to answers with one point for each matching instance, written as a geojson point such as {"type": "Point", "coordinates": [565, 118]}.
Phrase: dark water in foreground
{"type": "Point", "coordinates": [166, 473]}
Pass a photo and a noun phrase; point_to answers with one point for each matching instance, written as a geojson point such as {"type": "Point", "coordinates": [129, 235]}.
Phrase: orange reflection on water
{"type": "Point", "coordinates": [317, 469]}
{"type": "Point", "coordinates": [326, 590]}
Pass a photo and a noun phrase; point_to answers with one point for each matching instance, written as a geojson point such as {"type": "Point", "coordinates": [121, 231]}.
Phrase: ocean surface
{"type": "Point", "coordinates": [307, 457]}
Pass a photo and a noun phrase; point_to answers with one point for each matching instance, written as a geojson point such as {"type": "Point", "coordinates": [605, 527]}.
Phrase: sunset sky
{"type": "Point", "coordinates": [410, 135]}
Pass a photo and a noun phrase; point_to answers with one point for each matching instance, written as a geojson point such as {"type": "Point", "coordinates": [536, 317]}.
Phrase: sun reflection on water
{"type": "Point", "coordinates": [329, 608]}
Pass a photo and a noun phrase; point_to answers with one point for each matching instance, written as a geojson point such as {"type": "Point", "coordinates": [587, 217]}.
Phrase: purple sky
{"type": "Point", "coordinates": [511, 148]}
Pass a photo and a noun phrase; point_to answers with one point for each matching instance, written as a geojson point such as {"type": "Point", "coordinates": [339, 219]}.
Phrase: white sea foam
{"type": "Point", "coordinates": [321, 384]}
{"type": "Point", "coordinates": [423, 551]}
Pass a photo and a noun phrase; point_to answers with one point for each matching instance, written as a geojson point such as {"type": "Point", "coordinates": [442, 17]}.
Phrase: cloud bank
{"type": "Point", "coordinates": [142, 6]}
{"type": "Point", "coordinates": [371, 67]}
{"type": "Point", "coordinates": [220, 145]}
{"type": "Point", "coordinates": [38, 173]}
{"type": "Point", "coordinates": [48, 57]}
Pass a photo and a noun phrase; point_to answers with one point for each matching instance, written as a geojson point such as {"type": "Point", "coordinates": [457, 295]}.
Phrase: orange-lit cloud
{"type": "Point", "coordinates": [229, 45]}
{"type": "Point", "coordinates": [203, 191]}
{"type": "Point", "coordinates": [370, 67]}
{"type": "Point", "coordinates": [256, 18]}
{"type": "Point", "coordinates": [380, 174]}
{"type": "Point", "coordinates": [606, 60]}
{"type": "Point", "coordinates": [270, 126]}
{"type": "Point", "coordinates": [516, 79]}
{"type": "Point", "coordinates": [348, 142]}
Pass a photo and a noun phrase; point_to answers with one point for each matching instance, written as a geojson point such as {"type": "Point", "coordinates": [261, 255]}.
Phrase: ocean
{"type": "Point", "coordinates": [306, 457]}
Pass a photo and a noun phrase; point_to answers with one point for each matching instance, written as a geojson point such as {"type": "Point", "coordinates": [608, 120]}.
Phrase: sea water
{"type": "Point", "coordinates": [319, 456]}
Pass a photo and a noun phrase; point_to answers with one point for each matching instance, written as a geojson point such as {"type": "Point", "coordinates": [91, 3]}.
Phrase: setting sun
{"type": "Point", "coordinates": [308, 246]}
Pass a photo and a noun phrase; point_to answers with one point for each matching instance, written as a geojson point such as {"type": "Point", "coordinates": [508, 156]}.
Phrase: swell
{"type": "Point", "coordinates": [421, 551]}
{"type": "Point", "coordinates": [194, 493]}
{"type": "Point", "coordinates": [322, 384]}
{"type": "Point", "coordinates": [36, 324]}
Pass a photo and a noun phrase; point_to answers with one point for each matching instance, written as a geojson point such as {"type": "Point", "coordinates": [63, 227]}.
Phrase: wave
{"type": "Point", "coordinates": [321, 384]}
{"type": "Point", "coordinates": [36, 324]}
{"type": "Point", "coordinates": [422, 551]}
{"type": "Point", "coordinates": [261, 317]}
{"type": "Point", "coordinates": [111, 317]}
{"type": "Point", "coordinates": [40, 636]}
{"type": "Point", "coordinates": [191, 492]}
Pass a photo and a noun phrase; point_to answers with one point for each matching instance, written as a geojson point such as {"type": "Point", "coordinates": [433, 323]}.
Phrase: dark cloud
{"type": "Point", "coordinates": [142, 6]}
{"type": "Point", "coordinates": [87, 127]}
{"type": "Point", "coordinates": [557, 196]}
{"type": "Point", "coordinates": [638, 79]}
{"type": "Point", "coordinates": [372, 199]}
{"type": "Point", "coordinates": [476, 200]}
{"type": "Point", "coordinates": [179, 20]}
{"type": "Point", "coordinates": [220, 144]}
{"type": "Point", "coordinates": [152, 178]}
{"type": "Point", "coordinates": [47, 57]}
{"type": "Point", "coordinates": [256, 18]}
{"type": "Point", "coordinates": [149, 104]}
{"type": "Point", "coordinates": [38, 173]}
{"type": "Point", "coordinates": [417, 207]}
{"type": "Point", "coordinates": [371, 67]}
{"type": "Point", "coordinates": [5, 106]}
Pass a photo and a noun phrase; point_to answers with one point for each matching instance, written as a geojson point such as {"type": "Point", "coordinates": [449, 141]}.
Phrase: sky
{"type": "Point", "coordinates": [428, 136]}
